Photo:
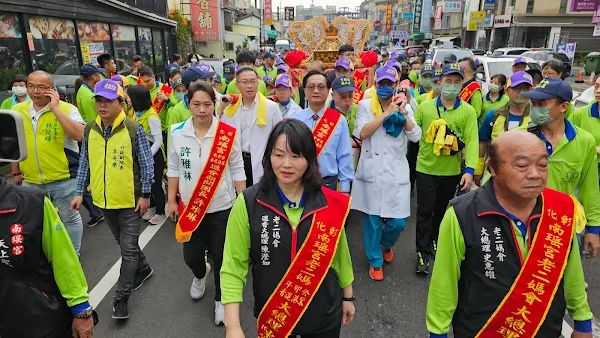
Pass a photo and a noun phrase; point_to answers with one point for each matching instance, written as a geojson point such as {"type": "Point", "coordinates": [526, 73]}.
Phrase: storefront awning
{"type": "Point", "coordinates": [418, 36]}
{"type": "Point", "coordinates": [138, 12]}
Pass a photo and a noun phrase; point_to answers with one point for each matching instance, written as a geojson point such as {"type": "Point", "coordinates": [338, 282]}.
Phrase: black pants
{"type": "Point", "coordinates": [411, 156]}
{"type": "Point", "coordinates": [433, 195]}
{"type": "Point", "coordinates": [210, 235]}
{"type": "Point", "coordinates": [330, 182]}
{"type": "Point", "coordinates": [248, 169]}
{"type": "Point", "coordinates": [335, 333]}
{"type": "Point", "coordinates": [158, 193]}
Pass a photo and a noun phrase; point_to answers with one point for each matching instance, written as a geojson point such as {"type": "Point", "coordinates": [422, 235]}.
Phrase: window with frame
{"type": "Point", "coordinates": [145, 38]}
{"type": "Point", "coordinates": [12, 61]}
{"type": "Point", "coordinates": [229, 46]}
{"type": "Point", "coordinates": [54, 44]}
{"type": "Point", "coordinates": [530, 4]}
{"type": "Point", "coordinates": [157, 39]}
{"type": "Point", "coordinates": [563, 7]}
{"type": "Point", "coordinates": [124, 46]}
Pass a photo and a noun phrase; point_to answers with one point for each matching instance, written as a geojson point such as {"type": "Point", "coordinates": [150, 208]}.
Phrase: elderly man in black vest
{"type": "Point", "coordinates": [509, 263]}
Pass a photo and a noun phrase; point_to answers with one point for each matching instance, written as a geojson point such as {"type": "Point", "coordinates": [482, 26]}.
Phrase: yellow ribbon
{"type": "Point", "coordinates": [375, 106]}
{"type": "Point", "coordinates": [442, 143]}
{"type": "Point", "coordinates": [261, 110]}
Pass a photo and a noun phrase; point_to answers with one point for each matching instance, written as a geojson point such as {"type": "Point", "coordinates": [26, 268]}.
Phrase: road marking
{"type": "Point", "coordinates": [567, 330]}
{"type": "Point", "coordinates": [112, 276]}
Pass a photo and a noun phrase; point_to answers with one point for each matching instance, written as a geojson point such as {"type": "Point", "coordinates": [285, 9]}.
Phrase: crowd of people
{"type": "Point", "coordinates": [260, 171]}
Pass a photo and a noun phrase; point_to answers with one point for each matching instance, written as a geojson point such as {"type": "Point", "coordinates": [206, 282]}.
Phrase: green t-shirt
{"type": "Point", "coordinates": [463, 121]}
{"type": "Point", "coordinates": [11, 101]}
{"type": "Point", "coordinates": [582, 118]}
{"type": "Point", "coordinates": [477, 102]}
{"type": "Point", "coordinates": [573, 165]}
{"type": "Point", "coordinates": [263, 71]}
{"type": "Point", "coordinates": [424, 97]}
{"type": "Point", "coordinates": [232, 88]}
{"type": "Point", "coordinates": [443, 289]}
{"type": "Point", "coordinates": [164, 112]}
{"type": "Point", "coordinates": [489, 105]}
{"type": "Point", "coordinates": [237, 248]}
{"type": "Point", "coordinates": [86, 103]}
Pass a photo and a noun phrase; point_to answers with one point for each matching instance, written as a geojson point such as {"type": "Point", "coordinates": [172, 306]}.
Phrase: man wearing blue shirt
{"type": "Point", "coordinates": [336, 158]}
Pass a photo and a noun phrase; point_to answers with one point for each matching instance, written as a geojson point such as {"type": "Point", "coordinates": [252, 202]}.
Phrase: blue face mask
{"type": "Point", "coordinates": [285, 103]}
{"type": "Point", "coordinates": [385, 93]}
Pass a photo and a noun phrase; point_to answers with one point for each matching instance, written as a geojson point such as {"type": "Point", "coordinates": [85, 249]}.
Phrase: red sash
{"type": "Point", "coordinates": [139, 81]}
{"type": "Point", "coordinates": [325, 128]}
{"type": "Point", "coordinates": [524, 308]}
{"type": "Point", "coordinates": [358, 78]}
{"type": "Point", "coordinates": [302, 280]}
{"type": "Point", "coordinates": [158, 104]}
{"type": "Point", "coordinates": [207, 183]}
{"type": "Point", "coordinates": [468, 91]}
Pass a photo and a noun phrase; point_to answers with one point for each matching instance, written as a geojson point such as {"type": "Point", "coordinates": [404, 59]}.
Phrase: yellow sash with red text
{"type": "Point", "coordinates": [325, 128]}
{"type": "Point", "coordinates": [302, 280]}
{"type": "Point", "coordinates": [358, 78]}
{"type": "Point", "coordinates": [191, 215]}
{"type": "Point", "coordinates": [523, 310]}
{"type": "Point", "coordinates": [158, 104]}
{"type": "Point", "coordinates": [468, 91]}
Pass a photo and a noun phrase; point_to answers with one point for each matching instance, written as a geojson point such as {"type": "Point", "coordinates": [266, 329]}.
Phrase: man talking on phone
{"type": "Point", "coordinates": [52, 129]}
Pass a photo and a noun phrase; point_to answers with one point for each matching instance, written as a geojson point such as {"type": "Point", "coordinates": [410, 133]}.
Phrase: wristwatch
{"type": "Point", "coordinates": [87, 313]}
{"type": "Point", "coordinates": [17, 174]}
{"type": "Point", "coordinates": [349, 299]}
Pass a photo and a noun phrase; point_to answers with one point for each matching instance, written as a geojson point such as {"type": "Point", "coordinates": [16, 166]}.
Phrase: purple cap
{"type": "Point", "coordinates": [283, 80]}
{"type": "Point", "coordinates": [519, 60]}
{"type": "Point", "coordinates": [267, 79]}
{"type": "Point", "coordinates": [394, 63]}
{"type": "Point", "coordinates": [344, 63]}
{"type": "Point", "coordinates": [520, 77]}
{"type": "Point", "coordinates": [394, 55]}
{"type": "Point", "coordinates": [206, 69]}
{"type": "Point", "coordinates": [279, 61]}
{"type": "Point", "coordinates": [107, 89]}
{"type": "Point", "coordinates": [386, 73]}
{"type": "Point", "coordinates": [283, 66]}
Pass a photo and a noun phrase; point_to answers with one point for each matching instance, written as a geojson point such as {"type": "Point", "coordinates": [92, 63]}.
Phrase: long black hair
{"type": "Point", "coordinates": [140, 98]}
{"type": "Point", "coordinates": [301, 142]}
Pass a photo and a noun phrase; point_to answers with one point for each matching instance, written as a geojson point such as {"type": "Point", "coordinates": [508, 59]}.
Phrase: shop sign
{"type": "Point", "coordinates": [388, 18]}
{"type": "Point", "coordinates": [502, 21]}
{"type": "Point", "coordinates": [205, 20]}
{"type": "Point", "coordinates": [51, 28]}
{"type": "Point", "coordinates": [583, 5]}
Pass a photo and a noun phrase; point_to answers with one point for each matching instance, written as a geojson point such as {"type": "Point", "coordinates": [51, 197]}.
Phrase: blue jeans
{"type": "Point", "coordinates": [380, 232]}
{"type": "Point", "coordinates": [61, 194]}
{"type": "Point", "coordinates": [88, 203]}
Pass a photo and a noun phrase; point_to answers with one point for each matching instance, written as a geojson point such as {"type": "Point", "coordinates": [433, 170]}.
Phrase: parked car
{"type": "Point", "coordinates": [415, 50]}
{"type": "Point", "coordinates": [544, 55]}
{"type": "Point", "coordinates": [491, 66]}
{"type": "Point", "coordinates": [438, 54]}
{"type": "Point", "coordinates": [510, 51]}
{"type": "Point", "coordinates": [478, 52]}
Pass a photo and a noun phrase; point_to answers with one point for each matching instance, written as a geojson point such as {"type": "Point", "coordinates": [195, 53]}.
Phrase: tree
{"type": "Point", "coordinates": [245, 44]}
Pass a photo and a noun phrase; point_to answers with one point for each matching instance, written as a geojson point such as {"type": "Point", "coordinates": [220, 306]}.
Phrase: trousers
{"type": "Point", "coordinates": [380, 232]}
{"type": "Point", "coordinates": [433, 195]}
{"type": "Point", "coordinates": [158, 193]}
{"type": "Point", "coordinates": [210, 235]}
{"type": "Point", "coordinates": [333, 333]}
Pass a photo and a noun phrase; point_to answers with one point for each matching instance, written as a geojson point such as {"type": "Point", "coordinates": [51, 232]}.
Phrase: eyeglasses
{"type": "Point", "coordinates": [521, 88]}
{"type": "Point", "coordinates": [249, 83]}
{"type": "Point", "coordinates": [40, 88]}
{"type": "Point", "coordinates": [320, 87]}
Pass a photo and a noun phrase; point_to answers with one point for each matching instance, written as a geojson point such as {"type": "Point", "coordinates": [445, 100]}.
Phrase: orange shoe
{"type": "Point", "coordinates": [387, 255]}
{"type": "Point", "coordinates": [376, 273]}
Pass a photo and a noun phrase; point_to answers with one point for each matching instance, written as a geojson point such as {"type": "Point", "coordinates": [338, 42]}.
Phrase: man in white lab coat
{"type": "Point", "coordinates": [381, 189]}
{"type": "Point", "coordinates": [254, 117]}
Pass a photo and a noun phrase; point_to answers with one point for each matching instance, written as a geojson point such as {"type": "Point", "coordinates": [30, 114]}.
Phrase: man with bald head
{"type": "Point", "coordinates": [509, 263]}
{"type": "Point", "coordinates": [52, 130]}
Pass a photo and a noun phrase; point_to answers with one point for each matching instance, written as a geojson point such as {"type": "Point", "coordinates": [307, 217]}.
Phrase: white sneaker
{"type": "Point", "coordinates": [219, 313]}
{"type": "Point", "coordinates": [157, 219]}
{"type": "Point", "coordinates": [149, 213]}
{"type": "Point", "coordinates": [198, 288]}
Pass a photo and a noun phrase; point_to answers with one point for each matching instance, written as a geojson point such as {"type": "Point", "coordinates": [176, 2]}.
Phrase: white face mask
{"type": "Point", "coordinates": [194, 60]}
{"type": "Point", "coordinates": [19, 90]}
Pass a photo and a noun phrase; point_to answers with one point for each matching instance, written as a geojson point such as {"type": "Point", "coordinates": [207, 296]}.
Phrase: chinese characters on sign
{"type": "Point", "coordinates": [583, 5]}
{"type": "Point", "coordinates": [264, 241]}
{"type": "Point", "coordinates": [486, 245]}
{"type": "Point", "coordinates": [417, 17]}
{"type": "Point", "coordinates": [476, 20]}
{"type": "Point", "coordinates": [388, 19]}
{"type": "Point", "coordinates": [289, 14]}
{"type": "Point", "coordinates": [205, 20]}
{"type": "Point", "coordinates": [268, 12]}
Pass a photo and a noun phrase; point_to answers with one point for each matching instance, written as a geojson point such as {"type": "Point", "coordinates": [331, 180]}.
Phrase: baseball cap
{"type": "Point", "coordinates": [394, 63]}
{"type": "Point", "coordinates": [386, 73]}
{"type": "Point", "coordinates": [344, 63]}
{"type": "Point", "coordinates": [107, 89]}
{"type": "Point", "coordinates": [284, 67]}
{"type": "Point", "coordinates": [89, 70]}
{"type": "Point", "coordinates": [428, 69]}
{"type": "Point", "coordinates": [177, 83]}
{"type": "Point", "coordinates": [437, 74]}
{"type": "Point", "coordinates": [269, 55]}
{"type": "Point", "coordinates": [401, 57]}
{"type": "Point", "coordinates": [217, 79]}
{"type": "Point", "coordinates": [520, 77]}
{"type": "Point", "coordinates": [452, 68]}
{"type": "Point", "coordinates": [283, 80]}
{"type": "Point", "coordinates": [267, 79]}
{"type": "Point", "coordinates": [279, 61]}
{"type": "Point", "coordinates": [229, 72]}
{"type": "Point", "coordinates": [404, 65]}
{"type": "Point", "coordinates": [190, 75]}
{"type": "Point", "coordinates": [121, 80]}
{"type": "Point", "coordinates": [342, 84]}
{"type": "Point", "coordinates": [519, 60]}
{"type": "Point", "coordinates": [173, 66]}
{"type": "Point", "coordinates": [550, 88]}
{"type": "Point", "coordinates": [450, 58]}
{"type": "Point", "coordinates": [207, 70]}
